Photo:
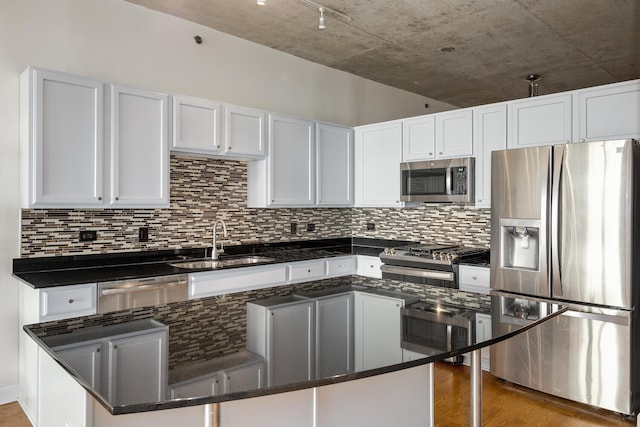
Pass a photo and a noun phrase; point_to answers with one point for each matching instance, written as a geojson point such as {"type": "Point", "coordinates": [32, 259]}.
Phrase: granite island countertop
{"type": "Point", "coordinates": [222, 326]}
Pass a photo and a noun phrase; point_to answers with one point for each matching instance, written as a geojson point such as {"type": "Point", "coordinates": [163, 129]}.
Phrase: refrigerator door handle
{"type": "Point", "coordinates": [556, 273]}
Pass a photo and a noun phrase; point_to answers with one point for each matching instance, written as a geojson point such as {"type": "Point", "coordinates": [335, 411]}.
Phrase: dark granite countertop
{"type": "Point", "coordinates": [72, 329]}
{"type": "Point", "coordinates": [43, 272]}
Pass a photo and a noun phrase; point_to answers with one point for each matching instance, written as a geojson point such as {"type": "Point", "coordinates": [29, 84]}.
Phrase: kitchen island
{"type": "Point", "coordinates": [375, 395]}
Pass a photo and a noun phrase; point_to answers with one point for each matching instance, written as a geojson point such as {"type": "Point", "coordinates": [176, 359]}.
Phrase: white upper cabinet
{"type": "Point", "coordinates": [540, 120]}
{"type": "Point", "coordinates": [377, 165]}
{"type": "Point", "coordinates": [609, 112]}
{"type": "Point", "coordinates": [64, 158]}
{"type": "Point", "coordinates": [209, 129]}
{"type": "Point", "coordinates": [490, 135]}
{"type": "Point", "coordinates": [334, 165]}
{"type": "Point", "coordinates": [419, 138]}
{"type": "Point", "coordinates": [287, 176]}
{"type": "Point", "coordinates": [244, 132]}
{"type": "Point", "coordinates": [139, 158]}
{"type": "Point", "coordinates": [454, 133]}
{"type": "Point", "coordinates": [196, 125]}
{"type": "Point", "coordinates": [61, 122]}
{"type": "Point", "coordinates": [291, 161]}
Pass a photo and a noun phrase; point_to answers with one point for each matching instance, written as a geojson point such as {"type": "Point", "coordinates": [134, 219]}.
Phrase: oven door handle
{"type": "Point", "coordinates": [418, 272]}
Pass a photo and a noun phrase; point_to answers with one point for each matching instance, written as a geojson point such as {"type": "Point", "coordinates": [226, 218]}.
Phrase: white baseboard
{"type": "Point", "coordinates": [9, 394]}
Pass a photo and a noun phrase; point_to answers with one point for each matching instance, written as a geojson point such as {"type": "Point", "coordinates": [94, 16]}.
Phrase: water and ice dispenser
{"type": "Point", "coordinates": [520, 244]}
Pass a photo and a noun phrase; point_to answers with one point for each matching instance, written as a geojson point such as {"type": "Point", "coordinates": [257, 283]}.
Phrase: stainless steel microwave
{"type": "Point", "coordinates": [438, 181]}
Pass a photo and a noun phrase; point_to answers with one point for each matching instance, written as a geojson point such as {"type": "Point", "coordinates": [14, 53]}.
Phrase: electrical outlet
{"type": "Point", "coordinates": [143, 234]}
{"type": "Point", "coordinates": [311, 227]}
{"type": "Point", "coordinates": [294, 228]}
{"type": "Point", "coordinates": [88, 236]}
{"type": "Point", "coordinates": [371, 226]}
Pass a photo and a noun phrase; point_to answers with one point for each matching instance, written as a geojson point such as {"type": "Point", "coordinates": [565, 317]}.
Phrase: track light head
{"type": "Point", "coordinates": [321, 25]}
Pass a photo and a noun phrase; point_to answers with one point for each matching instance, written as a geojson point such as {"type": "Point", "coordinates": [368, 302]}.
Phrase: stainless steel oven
{"type": "Point", "coordinates": [435, 265]}
{"type": "Point", "coordinates": [432, 329]}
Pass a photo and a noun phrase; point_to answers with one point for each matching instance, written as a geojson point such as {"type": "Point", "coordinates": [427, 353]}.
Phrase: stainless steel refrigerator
{"type": "Point", "coordinates": [563, 230]}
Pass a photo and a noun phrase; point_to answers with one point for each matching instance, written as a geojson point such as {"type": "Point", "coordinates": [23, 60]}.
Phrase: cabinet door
{"type": "Point", "coordinates": [454, 134]}
{"type": "Point", "coordinates": [544, 120]}
{"type": "Point", "coordinates": [290, 343]}
{"type": "Point", "coordinates": [377, 168]}
{"type": "Point", "coordinates": [609, 112]}
{"type": "Point", "coordinates": [243, 378]}
{"type": "Point", "coordinates": [244, 132]}
{"type": "Point", "coordinates": [138, 368]}
{"type": "Point", "coordinates": [419, 138]}
{"type": "Point", "coordinates": [334, 335]}
{"type": "Point", "coordinates": [196, 125]}
{"type": "Point", "coordinates": [490, 135]}
{"type": "Point", "coordinates": [84, 358]}
{"type": "Point", "coordinates": [139, 148]}
{"type": "Point", "coordinates": [207, 385]}
{"type": "Point", "coordinates": [291, 162]}
{"type": "Point", "coordinates": [334, 163]}
{"type": "Point", "coordinates": [377, 331]}
{"type": "Point", "coordinates": [62, 125]}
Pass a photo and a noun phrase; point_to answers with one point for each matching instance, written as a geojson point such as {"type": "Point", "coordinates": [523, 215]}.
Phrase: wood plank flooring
{"type": "Point", "coordinates": [11, 415]}
{"type": "Point", "coordinates": [506, 404]}
{"type": "Point", "coordinates": [503, 404]}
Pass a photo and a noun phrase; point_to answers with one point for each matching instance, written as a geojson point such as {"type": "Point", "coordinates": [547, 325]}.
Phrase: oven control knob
{"type": "Point", "coordinates": [393, 251]}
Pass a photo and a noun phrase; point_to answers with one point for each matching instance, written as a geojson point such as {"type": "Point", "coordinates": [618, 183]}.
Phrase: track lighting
{"type": "Point", "coordinates": [320, 8]}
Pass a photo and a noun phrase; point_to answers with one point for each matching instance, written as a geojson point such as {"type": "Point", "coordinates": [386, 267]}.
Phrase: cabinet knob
{"type": "Point", "coordinates": [71, 301]}
{"type": "Point", "coordinates": [440, 153]}
{"type": "Point", "coordinates": [371, 266]}
{"type": "Point", "coordinates": [474, 277]}
{"type": "Point", "coordinates": [431, 154]}
{"type": "Point", "coordinates": [480, 322]}
{"type": "Point", "coordinates": [99, 197]}
{"type": "Point", "coordinates": [117, 198]}
{"type": "Point", "coordinates": [309, 271]}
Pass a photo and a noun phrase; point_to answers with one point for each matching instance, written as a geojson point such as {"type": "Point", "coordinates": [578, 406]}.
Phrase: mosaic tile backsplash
{"type": "Point", "coordinates": [203, 190]}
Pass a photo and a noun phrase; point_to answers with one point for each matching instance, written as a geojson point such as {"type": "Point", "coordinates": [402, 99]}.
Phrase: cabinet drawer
{"type": "Point", "coordinates": [236, 280]}
{"type": "Point", "coordinates": [369, 266]}
{"type": "Point", "coordinates": [341, 266]}
{"type": "Point", "coordinates": [474, 279]}
{"type": "Point", "coordinates": [67, 301]}
{"type": "Point", "coordinates": [305, 271]}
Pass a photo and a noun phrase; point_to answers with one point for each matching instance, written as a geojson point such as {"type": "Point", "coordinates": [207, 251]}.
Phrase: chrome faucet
{"type": "Point", "coordinates": [215, 251]}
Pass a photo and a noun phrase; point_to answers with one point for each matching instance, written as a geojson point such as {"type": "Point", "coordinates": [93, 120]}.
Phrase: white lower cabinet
{"type": "Point", "coordinates": [377, 330]}
{"type": "Point", "coordinates": [474, 279]}
{"type": "Point", "coordinates": [282, 330]}
{"type": "Point", "coordinates": [137, 368]}
{"type": "Point", "coordinates": [127, 367]}
{"type": "Point", "coordinates": [483, 333]}
{"type": "Point", "coordinates": [86, 359]}
{"type": "Point", "coordinates": [220, 282]}
{"type": "Point", "coordinates": [63, 302]}
{"type": "Point", "coordinates": [232, 373]}
{"type": "Point", "coordinates": [334, 335]}
{"type": "Point", "coordinates": [305, 271]}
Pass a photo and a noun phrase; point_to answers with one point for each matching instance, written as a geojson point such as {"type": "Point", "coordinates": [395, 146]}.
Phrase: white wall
{"type": "Point", "coordinates": [119, 42]}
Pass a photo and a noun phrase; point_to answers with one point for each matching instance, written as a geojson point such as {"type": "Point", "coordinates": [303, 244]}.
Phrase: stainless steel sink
{"type": "Point", "coordinates": [220, 263]}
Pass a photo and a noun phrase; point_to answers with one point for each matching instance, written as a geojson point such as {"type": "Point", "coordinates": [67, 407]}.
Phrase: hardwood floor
{"type": "Point", "coordinates": [503, 404]}
{"type": "Point", "coordinates": [11, 415]}
{"type": "Point", "coordinates": [506, 404]}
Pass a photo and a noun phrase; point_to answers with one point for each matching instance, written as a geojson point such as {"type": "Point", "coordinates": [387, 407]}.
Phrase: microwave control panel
{"type": "Point", "coordinates": [459, 180]}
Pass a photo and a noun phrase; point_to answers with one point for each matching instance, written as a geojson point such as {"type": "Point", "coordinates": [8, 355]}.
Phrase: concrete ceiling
{"type": "Point", "coordinates": [406, 43]}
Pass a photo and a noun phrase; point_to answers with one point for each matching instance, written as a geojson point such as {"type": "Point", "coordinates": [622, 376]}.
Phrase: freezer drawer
{"type": "Point", "coordinates": [582, 356]}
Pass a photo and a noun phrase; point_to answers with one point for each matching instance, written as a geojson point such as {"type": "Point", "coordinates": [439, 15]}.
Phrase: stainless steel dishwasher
{"type": "Point", "coordinates": [133, 293]}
